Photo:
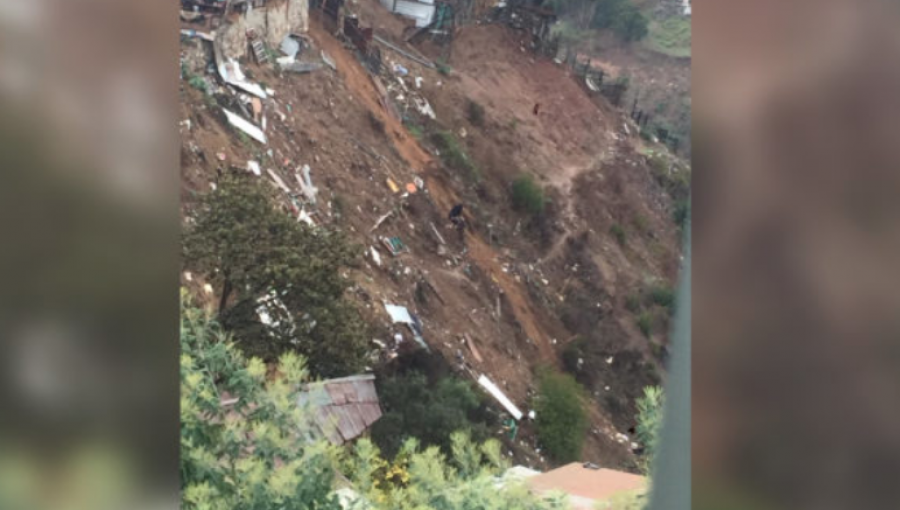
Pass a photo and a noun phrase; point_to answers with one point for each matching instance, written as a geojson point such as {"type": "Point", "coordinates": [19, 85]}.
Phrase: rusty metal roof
{"type": "Point", "coordinates": [343, 408]}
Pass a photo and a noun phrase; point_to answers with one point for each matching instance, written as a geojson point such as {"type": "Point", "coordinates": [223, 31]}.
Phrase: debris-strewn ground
{"type": "Point", "coordinates": [556, 280]}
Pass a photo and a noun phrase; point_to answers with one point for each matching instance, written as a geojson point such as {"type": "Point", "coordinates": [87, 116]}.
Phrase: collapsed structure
{"type": "Point", "coordinates": [236, 23]}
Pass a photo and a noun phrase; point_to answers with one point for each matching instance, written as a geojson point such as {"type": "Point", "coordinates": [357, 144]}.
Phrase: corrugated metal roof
{"type": "Point", "coordinates": [344, 407]}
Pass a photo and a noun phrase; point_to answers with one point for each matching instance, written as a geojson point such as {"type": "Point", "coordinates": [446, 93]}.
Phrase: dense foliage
{"type": "Point", "coordinates": [561, 418]}
{"type": "Point", "coordinates": [429, 412]}
{"type": "Point", "coordinates": [649, 421]}
{"type": "Point", "coordinates": [261, 452]}
{"type": "Point", "coordinates": [464, 480]}
{"type": "Point", "coordinates": [623, 17]}
{"type": "Point", "coordinates": [256, 454]}
{"type": "Point", "coordinates": [267, 264]}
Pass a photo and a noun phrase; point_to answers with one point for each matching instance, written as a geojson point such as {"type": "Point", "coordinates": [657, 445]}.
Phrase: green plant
{"type": "Point", "coordinates": [662, 295]}
{"type": "Point", "coordinates": [264, 451]}
{"type": "Point", "coordinates": [415, 130]}
{"type": "Point", "coordinates": [623, 17]}
{"type": "Point", "coordinates": [258, 452]}
{"type": "Point", "coordinates": [645, 323]}
{"type": "Point", "coordinates": [442, 67]}
{"type": "Point", "coordinates": [619, 233]}
{"type": "Point", "coordinates": [244, 139]}
{"type": "Point", "coordinates": [465, 479]}
{"type": "Point", "coordinates": [670, 36]}
{"type": "Point", "coordinates": [527, 195]}
{"type": "Point", "coordinates": [453, 154]}
{"type": "Point", "coordinates": [475, 113]}
{"type": "Point", "coordinates": [561, 418]}
{"type": "Point", "coordinates": [281, 284]}
{"type": "Point", "coordinates": [649, 422]}
{"type": "Point", "coordinates": [674, 180]}
{"type": "Point", "coordinates": [198, 83]}
{"type": "Point", "coordinates": [429, 412]}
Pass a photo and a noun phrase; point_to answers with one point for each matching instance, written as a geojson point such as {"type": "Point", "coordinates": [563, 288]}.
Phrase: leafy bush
{"type": "Point", "coordinates": [527, 195]}
{"type": "Point", "coordinates": [415, 130]}
{"type": "Point", "coordinates": [475, 113]}
{"type": "Point", "coordinates": [645, 323]}
{"type": "Point", "coordinates": [561, 418]}
{"type": "Point", "coordinates": [649, 421]}
{"type": "Point", "coordinates": [220, 465]}
{"type": "Point", "coordinates": [675, 181]}
{"type": "Point", "coordinates": [198, 83]}
{"type": "Point", "coordinates": [265, 452]}
{"type": "Point", "coordinates": [619, 233]}
{"type": "Point", "coordinates": [453, 155]}
{"type": "Point", "coordinates": [662, 295]}
{"type": "Point", "coordinates": [623, 17]}
{"type": "Point", "coordinates": [671, 36]}
{"type": "Point", "coordinates": [428, 412]}
{"type": "Point", "coordinates": [442, 67]}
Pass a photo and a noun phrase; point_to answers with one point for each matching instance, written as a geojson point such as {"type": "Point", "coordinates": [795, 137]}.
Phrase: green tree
{"type": "Point", "coordinates": [649, 421]}
{"type": "Point", "coordinates": [280, 280]}
{"type": "Point", "coordinates": [430, 413]}
{"type": "Point", "coordinates": [561, 418]}
{"type": "Point", "coordinates": [623, 17]}
{"type": "Point", "coordinates": [261, 452]}
{"type": "Point", "coordinates": [257, 453]}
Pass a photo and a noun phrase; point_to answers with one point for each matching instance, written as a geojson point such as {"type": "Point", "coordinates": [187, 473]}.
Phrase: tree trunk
{"type": "Point", "coordinates": [226, 293]}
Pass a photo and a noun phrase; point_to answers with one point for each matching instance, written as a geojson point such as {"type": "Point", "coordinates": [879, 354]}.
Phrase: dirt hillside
{"type": "Point", "coordinates": [559, 280]}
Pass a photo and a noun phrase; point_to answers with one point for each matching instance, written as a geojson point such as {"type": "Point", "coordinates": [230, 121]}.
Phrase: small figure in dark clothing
{"type": "Point", "coordinates": [537, 108]}
{"type": "Point", "coordinates": [456, 212]}
{"type": "Point", "coordinates": [457, 219]}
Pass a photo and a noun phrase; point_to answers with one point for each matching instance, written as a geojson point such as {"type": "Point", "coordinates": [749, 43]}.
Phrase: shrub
{"type": "Point", "coordinates": [527, 195]}
{"type": "Point", "coordinates": [649, 421]}
{"type": "Point", "coordinates": [442, 67]}
{"type": "Point", "coordinates": [561, 418]}
{"type": "Point", "coordinates": [413, 408]}
{"type": "Point", "coordinates": [619, 233]}
{"type": "Point", "coordinates": [475, 113]}
{"type": "Point", "coordinates": [676, 182]}
{"type": "Point", "coordinates": [645, 323]}
{"type": "Point", "coordinates": [623, 17]}
{"type": "Point", "coordinates": [453, 155]}
{"type": "Point", "coordinates": [415, 130]}
{"type": "Point", "coordinates": [198, 83]}
{"type": "Point", "coordinates": [663, 296]}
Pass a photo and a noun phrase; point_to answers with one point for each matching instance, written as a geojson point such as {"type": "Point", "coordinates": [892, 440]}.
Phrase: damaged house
{"type": "Point", "coordinates": [236, 24]}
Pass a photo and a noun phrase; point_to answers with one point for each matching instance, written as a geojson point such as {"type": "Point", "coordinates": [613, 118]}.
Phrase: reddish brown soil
{"type": "Point", "coordinates": [333, 125]}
